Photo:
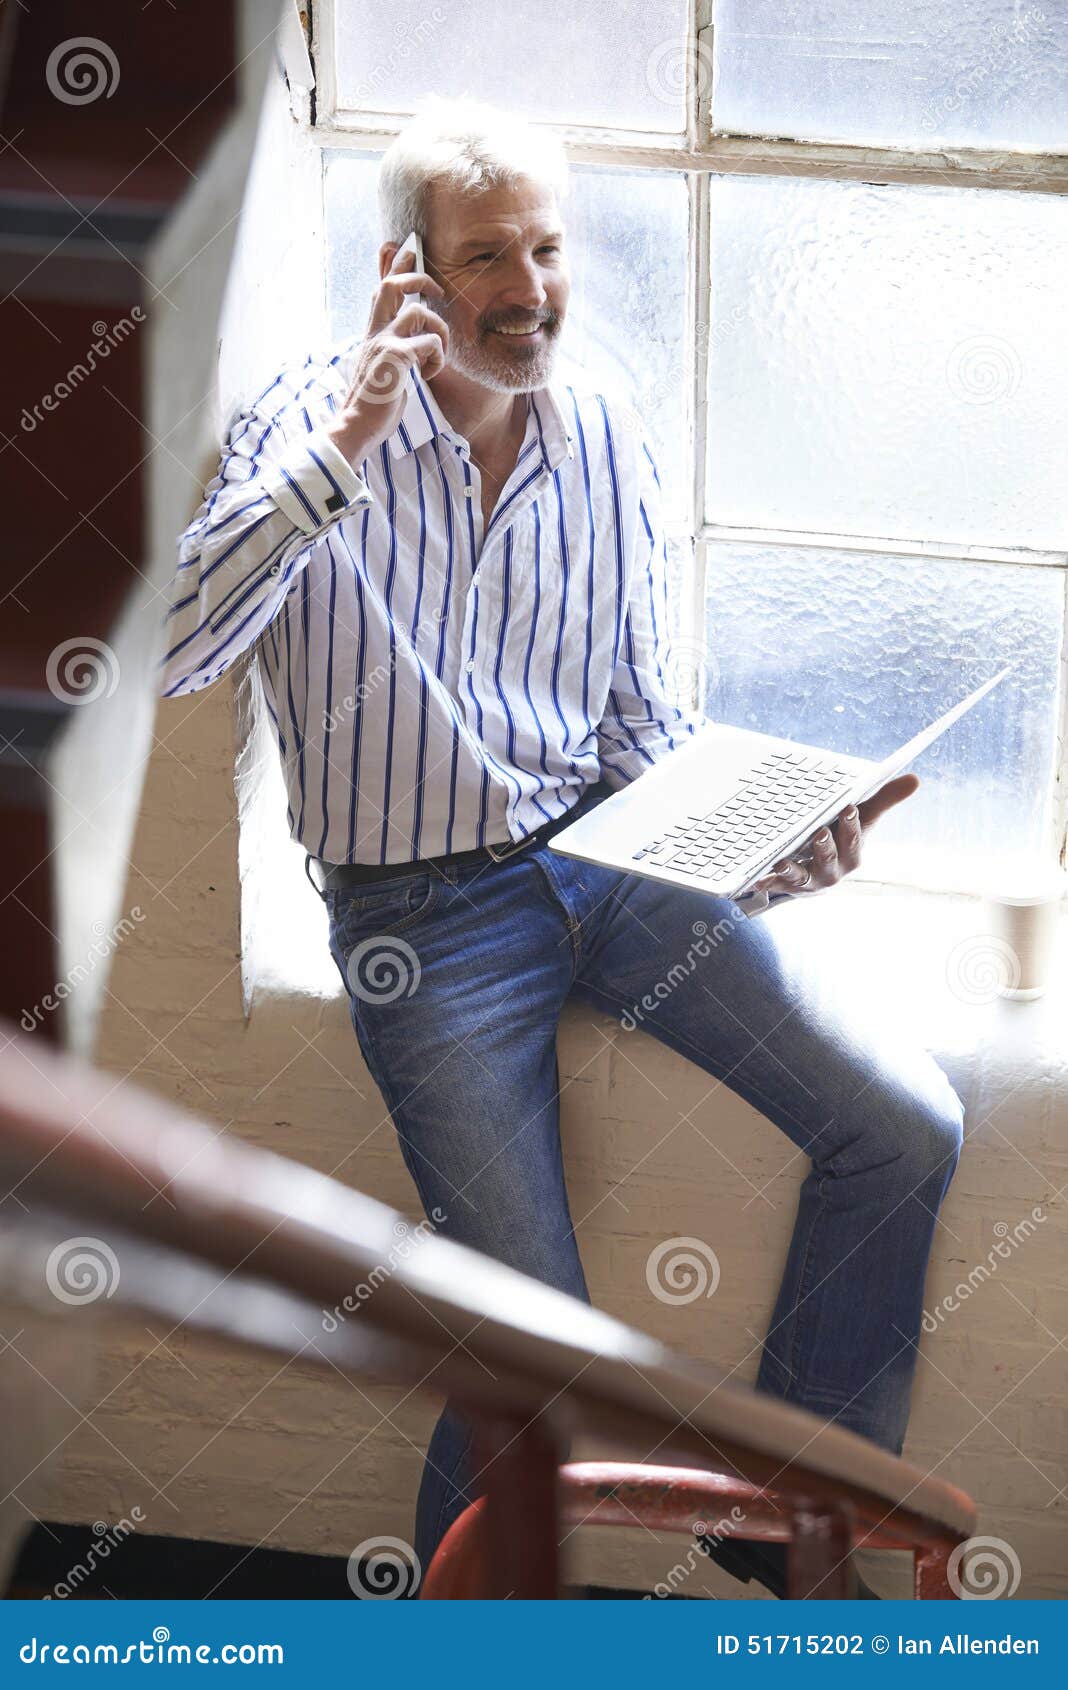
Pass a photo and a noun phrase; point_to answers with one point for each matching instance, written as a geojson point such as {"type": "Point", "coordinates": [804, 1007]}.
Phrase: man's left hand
{"type": "Point", "coordinates": [836, 854]}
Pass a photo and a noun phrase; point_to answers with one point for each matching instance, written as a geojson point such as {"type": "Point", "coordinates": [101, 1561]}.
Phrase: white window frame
{"type": "Point", "coordinates": [701, 153]}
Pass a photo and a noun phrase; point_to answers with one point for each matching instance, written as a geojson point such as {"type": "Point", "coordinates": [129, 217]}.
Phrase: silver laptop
{"type": "Point", "coordinates": [723, 809]}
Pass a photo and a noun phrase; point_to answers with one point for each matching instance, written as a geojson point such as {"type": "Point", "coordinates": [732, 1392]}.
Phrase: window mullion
{"type": "Point", "coordinates": [1060, 772]}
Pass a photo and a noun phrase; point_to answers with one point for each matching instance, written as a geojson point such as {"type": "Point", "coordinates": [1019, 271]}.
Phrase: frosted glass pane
{"type": "Point", "coordinates": [626, 238]}
{"type": "Point", "coordinates": [626, 323]}
{"type": "Point", "coordinates": [858, 651]}
{"type": "Point", "coordinates": [889, 361]}
{"type": "Point", "coordinates": [582, 63]}
{"type": "Point", "coordinates": [971, 73]}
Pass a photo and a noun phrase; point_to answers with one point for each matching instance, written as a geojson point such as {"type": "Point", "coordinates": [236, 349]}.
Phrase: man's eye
{"type": "Point", "coordinates": [480, 255]}
{"type": "Point", "coordinates": [550, 248]}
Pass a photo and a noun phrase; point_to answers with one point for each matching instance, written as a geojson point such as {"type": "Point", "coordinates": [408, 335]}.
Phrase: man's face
{"type": "Point", "coordinates": [499, 255]}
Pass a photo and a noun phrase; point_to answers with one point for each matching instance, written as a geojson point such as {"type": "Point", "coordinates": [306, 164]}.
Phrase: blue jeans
{"type": "Point", "coordinates": [456, 984]}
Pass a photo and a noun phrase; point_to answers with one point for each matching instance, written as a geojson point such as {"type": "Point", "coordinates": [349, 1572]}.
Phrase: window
{"type": "Point", "coordinates": [821, 245]}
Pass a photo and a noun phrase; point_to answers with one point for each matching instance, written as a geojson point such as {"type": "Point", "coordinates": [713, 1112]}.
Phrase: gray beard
{"type": "Point", "coordinates": [481, 361]}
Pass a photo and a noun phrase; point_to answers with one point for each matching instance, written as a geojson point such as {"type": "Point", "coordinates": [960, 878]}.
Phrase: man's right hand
{"type": "Point", "coordinates": [399, 334]}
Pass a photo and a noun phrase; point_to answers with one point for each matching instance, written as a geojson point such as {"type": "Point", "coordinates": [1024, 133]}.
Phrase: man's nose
{"type": "Point", "coordinates": [524, 285]}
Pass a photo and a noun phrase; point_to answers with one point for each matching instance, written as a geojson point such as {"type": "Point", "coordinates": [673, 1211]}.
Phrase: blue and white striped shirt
{"type": "Point", "coordinates": [433, 688]}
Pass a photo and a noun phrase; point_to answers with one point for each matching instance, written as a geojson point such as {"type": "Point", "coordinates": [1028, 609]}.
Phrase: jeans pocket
{"type": "Point", "coordinates": [381, 906]}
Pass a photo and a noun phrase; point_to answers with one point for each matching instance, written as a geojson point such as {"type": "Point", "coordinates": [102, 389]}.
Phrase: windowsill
{"type": "Point", "coordinates": [932, 966]}
{"type": "Point", "coordinates": [916, 957]}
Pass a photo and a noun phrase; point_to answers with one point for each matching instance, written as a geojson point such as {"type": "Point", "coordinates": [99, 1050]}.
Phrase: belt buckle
{"type": "Point", "coordinates": [514, 845]}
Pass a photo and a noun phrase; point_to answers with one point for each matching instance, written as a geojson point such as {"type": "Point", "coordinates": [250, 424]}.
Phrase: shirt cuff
{"type": "Point", "coordinates": [313, 483]}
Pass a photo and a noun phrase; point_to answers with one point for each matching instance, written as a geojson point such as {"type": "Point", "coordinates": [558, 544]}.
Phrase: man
{"type": "Point", "coordinates": [452, 570]}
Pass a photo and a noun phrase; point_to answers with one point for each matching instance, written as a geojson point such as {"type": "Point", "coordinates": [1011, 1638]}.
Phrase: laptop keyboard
{"type": "Point", "coordinates": [775, 795]}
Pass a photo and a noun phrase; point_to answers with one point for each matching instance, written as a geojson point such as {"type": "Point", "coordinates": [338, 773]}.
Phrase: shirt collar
{"type": "Point", "coordinates": [422, 419]}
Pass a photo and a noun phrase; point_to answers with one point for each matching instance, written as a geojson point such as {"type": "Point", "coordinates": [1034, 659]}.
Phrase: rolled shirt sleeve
{"type": "Point", "coordinates": [281, 485]}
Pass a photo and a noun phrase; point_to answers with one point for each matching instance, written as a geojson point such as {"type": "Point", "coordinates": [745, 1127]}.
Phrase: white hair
{"type": "Point", "coordinates": [468, 147]}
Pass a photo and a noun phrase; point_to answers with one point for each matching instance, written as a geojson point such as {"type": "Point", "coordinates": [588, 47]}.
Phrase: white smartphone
{"type": "Point", "coordinates": [412, 244]}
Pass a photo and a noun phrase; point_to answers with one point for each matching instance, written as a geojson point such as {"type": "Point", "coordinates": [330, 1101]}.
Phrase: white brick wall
{"type": "Point", "coordinates": [304, 1459]}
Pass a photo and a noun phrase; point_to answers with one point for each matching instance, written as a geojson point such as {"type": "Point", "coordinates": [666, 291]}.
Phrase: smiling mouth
{"type": "Point", "coordinates": [520, 334]}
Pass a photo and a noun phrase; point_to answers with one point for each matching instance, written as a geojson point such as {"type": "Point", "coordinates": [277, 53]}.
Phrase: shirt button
{"type": "Point", "coordinates": [275, 567]}
{"type": "Point", "coordinates": [470, 668]}
{"type": "Point", "coordinates": [469, 492]}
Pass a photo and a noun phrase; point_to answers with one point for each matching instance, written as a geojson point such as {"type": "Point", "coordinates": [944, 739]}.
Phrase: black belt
{"type": "Point", "coordinates": [338, 876]}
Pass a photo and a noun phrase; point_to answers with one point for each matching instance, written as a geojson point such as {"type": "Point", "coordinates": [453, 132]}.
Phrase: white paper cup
{"type": "Point", "coordinates": [1024, 920]}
